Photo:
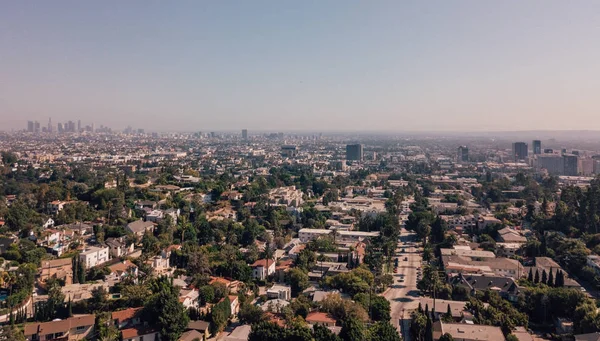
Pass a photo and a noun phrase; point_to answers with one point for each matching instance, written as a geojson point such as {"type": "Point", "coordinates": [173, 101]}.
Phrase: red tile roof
{"type": "Point", "coordinates": [262, 263]}
{"type": "Point", "coordinates": [127, 314]}
{"type": "Point", "coordinates": [130, 333]}
{"type": "Point", "coordinates": [319, 317]}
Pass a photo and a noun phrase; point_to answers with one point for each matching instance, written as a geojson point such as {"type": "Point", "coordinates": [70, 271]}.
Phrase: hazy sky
{"type": "Point", "coordinates": [302, 65]}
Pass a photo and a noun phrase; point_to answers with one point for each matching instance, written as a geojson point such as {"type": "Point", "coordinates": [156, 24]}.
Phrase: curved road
{"type": "Point", "coordinates": [403, 296]}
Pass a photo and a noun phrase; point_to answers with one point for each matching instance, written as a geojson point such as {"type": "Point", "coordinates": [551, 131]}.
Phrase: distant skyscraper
{"type": "Point", "coordinates": [50, 125]}
{"type": "Point", "coordinates": [354, 152]}
{"type": "Point", "coordinates": [59, 127]}
{"type": "Point", "coordinates": [571, 162]}
{"type": "Point", "coordinates": [36, 126]}
{"type": "Point", "coordinates": [30, 126]}
{"type": "Point", "coordinates": [537, 147]}
{"type": "Point", "coordinates": [462, 154]}
{"type": "Point", "coordinates": [212, 134]}
{"type": "Point", "coordinates": [78, 125]}
{"type": "Point", "coordinates": [245, 134]}
{"type": "Point", "coordinates": [519, 151]}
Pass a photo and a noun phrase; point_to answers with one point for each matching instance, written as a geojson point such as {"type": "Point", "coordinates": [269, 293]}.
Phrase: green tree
{"type": "Point", "coordinates": [298, 281]}
{"type": "Point", "coordinates": [383, 331]}
{"type": "Point", "coordinates": [250, 314]}
{"type": "Point", "coordinates": [353, 330]}
{"type": "Point", "coordinates": [99, 300]}
{"type": "Point", "coordinates": [530, 275]}
{"type": "Point", "coordinates": [56, 301]}
{"type": "Point", "coordinates": [536, 279]}
{"type": "Point", "coordinates": [219, 316]}
{"type": "Point", "coordinates": [446, 337]}
{"type": "Point", "coordinates": [165, 311]}
{"type": "Point", "coordinates": [266, 330]}
{"type": "Point", "coordinates": [544, 276]}
{"type": "Point", "coordinates": [322, 333]}
{"type": "Point", "coordinates": [135, 295]}
{"type": "Point", "coordinates": [206, 294]}
{"type": "Point", "coordinates": [11, 333]}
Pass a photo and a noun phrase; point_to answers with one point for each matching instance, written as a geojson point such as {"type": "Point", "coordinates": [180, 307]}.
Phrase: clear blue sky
{"type": "Point", "coordinates": [302, 65]}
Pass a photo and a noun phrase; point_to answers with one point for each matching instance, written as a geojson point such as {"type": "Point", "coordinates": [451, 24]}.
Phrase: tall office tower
{"type": "Point", "coordinates": [354, 152]}
{"type": "Point", "coordinates": [462, 154]}
{"type": "Point", "coordinates": [50, 125]}
{"type": "Point", "coordinates": [537, 147]}
{"type": "Point", "coordinates": [212, 134]}
{"type": "Point", "coordinates": [36, 126]}
{"type": "Point", "coordinates": [30, 126]}
{"type": "Point", "coordinates": [93, 130]}
{"type": "Point", "coordinates": [519, 151]}
{"type": "Point", "coordinates": [59, 127]}
{"type": "Point", "coordinates": [78, 125]}
{"type": "Point", "coordinates": [571, 162]}
{"type": "Point", "coordinates": [71, 127]}
{"type": "Point", "coordinates": [245, 134]}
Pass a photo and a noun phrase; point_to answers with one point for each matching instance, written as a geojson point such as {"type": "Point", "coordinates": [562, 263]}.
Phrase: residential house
{"type": "Point", "coordinates": [56, 206]}
{"type": "Point", "coordinates": [275, 305]}
{"type": "Point", "coordinates": [233, 286]}
{"type": "Point", "coordinates": [509, 235]}
{"type": "Point", "coordinates": [192, 335]}
{"type": "Point", "coordinates": [201, 327]}
{"type": "Point", "coordinates": [48, 223]}
{"type": "Point", "coordinates": [440, 308]}
{"type": "Point", "coordinates": [140, 333]}
{"type": "Point", "coordinates": [588, 337]}
{"type": "Point", "coordinates": [140, 205]}
{"type": "Point", "coordinates": [283, 292]}
{"type": "Point", "coordinates": [123, 270]}
{"type": "Point", "coordinates": [118, 247]}
{"type": "Point", "coordinates": [140, 227]}
{"type": "Point", "coordinates": [316, 317]}
{"type": "Point", "coordinates": [487, 221]}
{"type": "Point", "coordinates": [307, 234]}
{"type": "Point", "coordinates": [235, 305]}
{"type": "Point", "coordinates": [473, 254]}
{"type": "Point", "coordinates": [133, 328]}
{"type": "Point", "coordinates": [189, 298]}
{"type": "Point", "coordinates": [467, 332]}
{"type": "Point", "coordinates": [61, 269]}
{"type": "Point", "coordinates": [240, 333]}
{"type": "Point", "coordinates": [505, 286]}
{"type": "Point", "coordinates": [93, 256]}
{"type": "Point", "coordinates": [74, 328]}
{"type": "Point", "coordinates": [127, 317]}
{"type": "Point", "coordinates": [593, 261]}
{"type": "Point", "coordinates": [263, 268]}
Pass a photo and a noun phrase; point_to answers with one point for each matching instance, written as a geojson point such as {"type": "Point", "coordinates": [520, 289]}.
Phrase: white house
{"type": "Point", "coordinates": [48, 223]}
{"type": "Point", "coordinates": [93, 256]}
{"type": "Point", "coordinates": [261, 271]}
{"type": "Point", "coordinates": [283, 292]}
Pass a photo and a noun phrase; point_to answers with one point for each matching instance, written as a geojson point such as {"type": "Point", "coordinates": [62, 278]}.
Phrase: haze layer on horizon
{"type": "Point", "coordinates": [308, 65]}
